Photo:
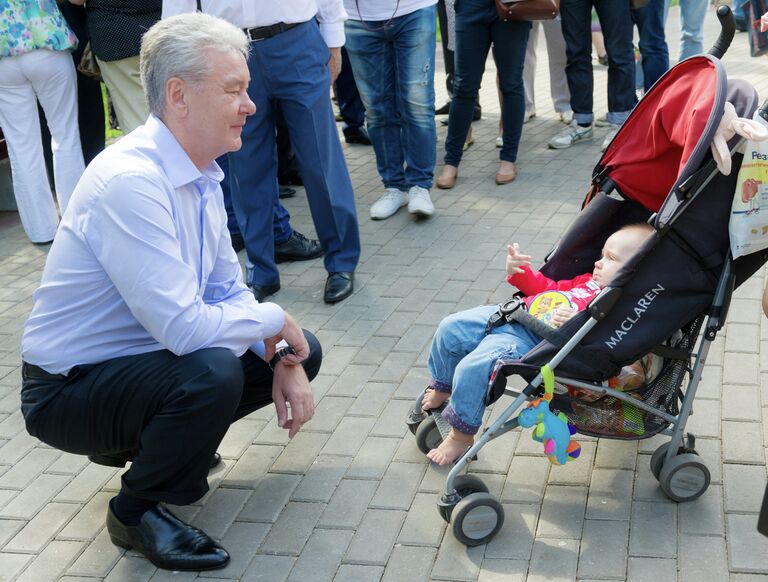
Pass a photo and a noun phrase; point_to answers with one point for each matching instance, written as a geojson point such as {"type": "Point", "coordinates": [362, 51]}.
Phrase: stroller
{"type": "Point", "coordinates": [658, 169]}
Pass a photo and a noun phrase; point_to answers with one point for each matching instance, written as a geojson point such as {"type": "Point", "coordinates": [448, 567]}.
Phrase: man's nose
{"type": "Point", "coordinates": [249, 107]}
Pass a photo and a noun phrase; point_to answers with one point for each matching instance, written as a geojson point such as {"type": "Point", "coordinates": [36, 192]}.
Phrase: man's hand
{"type": "Point", "coordinates": [290, 385]}
{"type": "Point", "coordinates": [334, 63]}
{"type": "Point", "coordinates": [294, 335]}
{"type": "Point", "coordinates": [515, 261]}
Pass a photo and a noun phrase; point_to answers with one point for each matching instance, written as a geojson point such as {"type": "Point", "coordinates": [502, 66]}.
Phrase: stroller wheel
{"type": "Point", "coordinates": [465, 486]}
{"type": "Point", "coordinates": [468, 484]}
{"type": "Point", "coordinates": [414, 419]}
{"type": "Point", "coordinates": [684, 477]}
{"type": "Point", "coordinates": [477, 518]}
{"type": "Point", "coordinates": [657, 460]}
{"type": "Point", "coordinates": [428, 435]}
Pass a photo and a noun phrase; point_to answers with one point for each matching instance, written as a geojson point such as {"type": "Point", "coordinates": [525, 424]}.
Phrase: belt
{"type": "Point", "coordinates": [32, 372]}
{"type": "Point", "coordinates": [257, 33]}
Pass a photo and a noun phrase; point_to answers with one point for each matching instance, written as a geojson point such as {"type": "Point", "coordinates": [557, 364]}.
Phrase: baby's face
{"type": "Point", "coordinates": [618, 248]}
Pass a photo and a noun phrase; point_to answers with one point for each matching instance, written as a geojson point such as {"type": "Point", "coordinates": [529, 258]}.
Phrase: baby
{"type": "Point", "coordinates": [462, 354]}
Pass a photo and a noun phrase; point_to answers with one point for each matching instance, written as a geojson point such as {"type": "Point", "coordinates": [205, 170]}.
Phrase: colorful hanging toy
{"type": "Point", "coordinates": [551, 429]}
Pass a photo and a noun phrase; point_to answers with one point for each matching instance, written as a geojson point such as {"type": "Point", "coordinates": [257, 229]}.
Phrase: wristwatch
{"type": "Point", "coordinates": [280, 354]}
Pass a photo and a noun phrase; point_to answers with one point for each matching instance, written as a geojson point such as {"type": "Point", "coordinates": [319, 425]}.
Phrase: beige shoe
{"type": "Point", "coordinates": [447, 178]}
{"type": "Point", "coordinates": [502, 179]}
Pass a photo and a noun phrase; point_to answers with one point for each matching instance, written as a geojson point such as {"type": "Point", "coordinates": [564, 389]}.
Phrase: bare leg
{"type": "Point", "coordinates": [434, 399]}
{"type": "Point", "coordinates": [455, 445]}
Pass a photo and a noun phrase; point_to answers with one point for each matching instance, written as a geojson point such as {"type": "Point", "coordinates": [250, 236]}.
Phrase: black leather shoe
{"type": "Point", "coordinates": [339, 286]}
{"type": "Point", "coordinates": [297, 248]}
{"type": "Point", "coordinates": [444, 110]}
{"type": "Point", "coordinates": [290, 178]}
{"type": "Point", "coordinates": [120, 459]}
{"type": "Point", "coordinates": [237, 242]}
{"type": "Point", "coordinates": [286, 192]}
{"type": "Point", "coordinates": [167, 542]}
{"type": "Point", "coordinates": [357, 135]}
{"type": "Point", "coordinates": [262, 291]}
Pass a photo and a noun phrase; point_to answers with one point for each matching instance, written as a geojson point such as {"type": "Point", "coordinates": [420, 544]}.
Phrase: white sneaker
{"type": "Point", "coordinates": [419, 201]}
{"type": "Point", "coordinates": [392, 201]}
{"type": "Point", "coordinates": [529, 115]}
{"type": "Point", "coordinates": [602, 121]}
{"type": "Point", "coordinates": [572, 134]}
{"type": "Point", "coordinates": [499, 142]}
{"type": "Point", "coordinates": [566, 117]}
{"type": "Point", "coordinates": [609, 136]}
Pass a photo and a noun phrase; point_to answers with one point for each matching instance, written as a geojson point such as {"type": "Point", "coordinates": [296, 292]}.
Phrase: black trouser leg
{"type": "Point", "coordinates": [442, 18]}
{"type": "Point", "coordinates": [173, 411]}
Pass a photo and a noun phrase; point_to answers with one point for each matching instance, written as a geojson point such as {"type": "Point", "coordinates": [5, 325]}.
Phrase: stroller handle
{"type": "Point", "coordinates": [727, 30]}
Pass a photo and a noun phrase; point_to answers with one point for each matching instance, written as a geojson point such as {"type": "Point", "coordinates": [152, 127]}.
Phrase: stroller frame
{"type": "Point", "coordinates": [475, 515]}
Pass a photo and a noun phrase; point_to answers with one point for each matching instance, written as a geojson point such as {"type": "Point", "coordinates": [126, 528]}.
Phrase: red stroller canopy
{"type": "Point", "coordinates": [656, 142]}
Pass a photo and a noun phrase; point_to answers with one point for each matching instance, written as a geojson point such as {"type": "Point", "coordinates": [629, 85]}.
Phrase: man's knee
{"type": "Point", "coordinates": [215, 376]}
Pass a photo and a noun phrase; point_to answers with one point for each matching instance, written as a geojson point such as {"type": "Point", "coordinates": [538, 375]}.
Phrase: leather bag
{"type": "Point", "coordinates": [88, 65]}
{"type": "Point", "coordinates": [528, 9]}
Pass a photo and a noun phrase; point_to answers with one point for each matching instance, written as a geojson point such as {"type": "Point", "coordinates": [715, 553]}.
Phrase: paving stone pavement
{"type": "Point", "coordinates": [351, 498]}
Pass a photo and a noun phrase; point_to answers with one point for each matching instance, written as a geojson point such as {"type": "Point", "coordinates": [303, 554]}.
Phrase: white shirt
{"type": "Point", "coordinates": [142, 261]}
{"type": "Point", "coordinates": [383, 10]}
{"type": "Point", "coordinates": [248, 13]}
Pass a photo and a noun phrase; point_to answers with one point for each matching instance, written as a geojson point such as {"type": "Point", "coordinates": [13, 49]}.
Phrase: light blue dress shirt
{"type": "Point", "coordinates": [142, 261]}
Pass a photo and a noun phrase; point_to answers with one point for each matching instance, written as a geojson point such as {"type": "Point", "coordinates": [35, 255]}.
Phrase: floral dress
{"type": "Point", "coordinates": [28, 25]}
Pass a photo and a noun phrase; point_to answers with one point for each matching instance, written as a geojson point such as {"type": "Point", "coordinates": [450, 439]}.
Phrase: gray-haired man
{"type": "Point", "coordinates": [143, 342]}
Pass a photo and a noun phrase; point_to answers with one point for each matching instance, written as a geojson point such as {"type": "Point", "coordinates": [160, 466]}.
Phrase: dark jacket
{"type": "Point", "coordinates": [116, 26]}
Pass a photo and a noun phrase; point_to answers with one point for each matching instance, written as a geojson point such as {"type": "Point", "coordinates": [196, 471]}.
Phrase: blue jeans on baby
{"type": "Point", "coordinates": [462, 357]}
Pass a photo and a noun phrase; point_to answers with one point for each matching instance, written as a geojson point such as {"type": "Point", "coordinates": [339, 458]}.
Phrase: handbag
{"type": "Point", "coordinates": [636, 4]}
{"type": "Point", "coordinates": [527, 9]}
{"type": "Point", "coordinates": [88, 65]}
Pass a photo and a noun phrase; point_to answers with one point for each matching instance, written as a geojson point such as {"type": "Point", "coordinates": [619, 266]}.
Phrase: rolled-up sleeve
{"type": "Point", "coordinates": [331, 16]}
{"type": "Point", "coordinates": [132, 233]}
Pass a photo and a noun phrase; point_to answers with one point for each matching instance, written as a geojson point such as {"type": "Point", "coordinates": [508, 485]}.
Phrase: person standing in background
{"type": "Point", "coordinates": [36, 65]}
{"type": "Point", "coordinates": [116, 28]}
{"type": "Point", "coordinates": [477, 28]}
{"type": "Point", "coordinates": [295, 57]}
{"type": "Point", "coordinates": [90, 105]}
{"type": "Point", "coordinates": [392, 50]}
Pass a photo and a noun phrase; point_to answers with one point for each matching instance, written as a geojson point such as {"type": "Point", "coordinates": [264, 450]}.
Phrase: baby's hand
{"type": "Point", "coordinates": [562, 315]}
{"type": "Point", "coordinates": [515, 261]}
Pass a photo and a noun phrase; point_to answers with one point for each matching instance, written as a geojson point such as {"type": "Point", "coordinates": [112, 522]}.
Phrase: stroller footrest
{"type": "Point", "coordinates": [442, 424]}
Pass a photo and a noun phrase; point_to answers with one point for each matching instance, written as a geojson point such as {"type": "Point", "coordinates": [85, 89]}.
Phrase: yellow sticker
{"type": "Point", "coordinates": [544, 304]}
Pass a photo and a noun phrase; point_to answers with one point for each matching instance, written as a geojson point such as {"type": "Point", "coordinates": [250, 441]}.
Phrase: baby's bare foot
{"type": "Point", "coordinates": [434, 399]}
{"type": "Point", "coordinates": [455, 445]}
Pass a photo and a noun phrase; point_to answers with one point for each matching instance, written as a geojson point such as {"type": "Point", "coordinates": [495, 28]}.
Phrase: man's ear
{"type": "Point", "coordinates": [176, 96]}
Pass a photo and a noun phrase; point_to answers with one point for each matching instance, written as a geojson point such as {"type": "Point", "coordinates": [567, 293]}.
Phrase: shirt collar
{"type": "Point", "coordinates": [176, 163]}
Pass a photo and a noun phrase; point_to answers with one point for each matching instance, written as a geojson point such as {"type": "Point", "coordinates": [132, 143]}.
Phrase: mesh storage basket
{"type": "Point", "coordinates": [608, 416]}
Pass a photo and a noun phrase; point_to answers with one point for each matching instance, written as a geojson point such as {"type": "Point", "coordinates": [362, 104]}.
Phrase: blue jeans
{"type": "Point", "coordinates": [477, 27]}
{"type": "Point", "coordinates": [462, 357]}
{"type": "Point", "coordinates": [616, 23]}
{"type": "Point", "coordinates": [653, 44]}
{"type": "Point", "coordinates": [692, 13]}
{"type": "Point", "coordinates": [394, 67]}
